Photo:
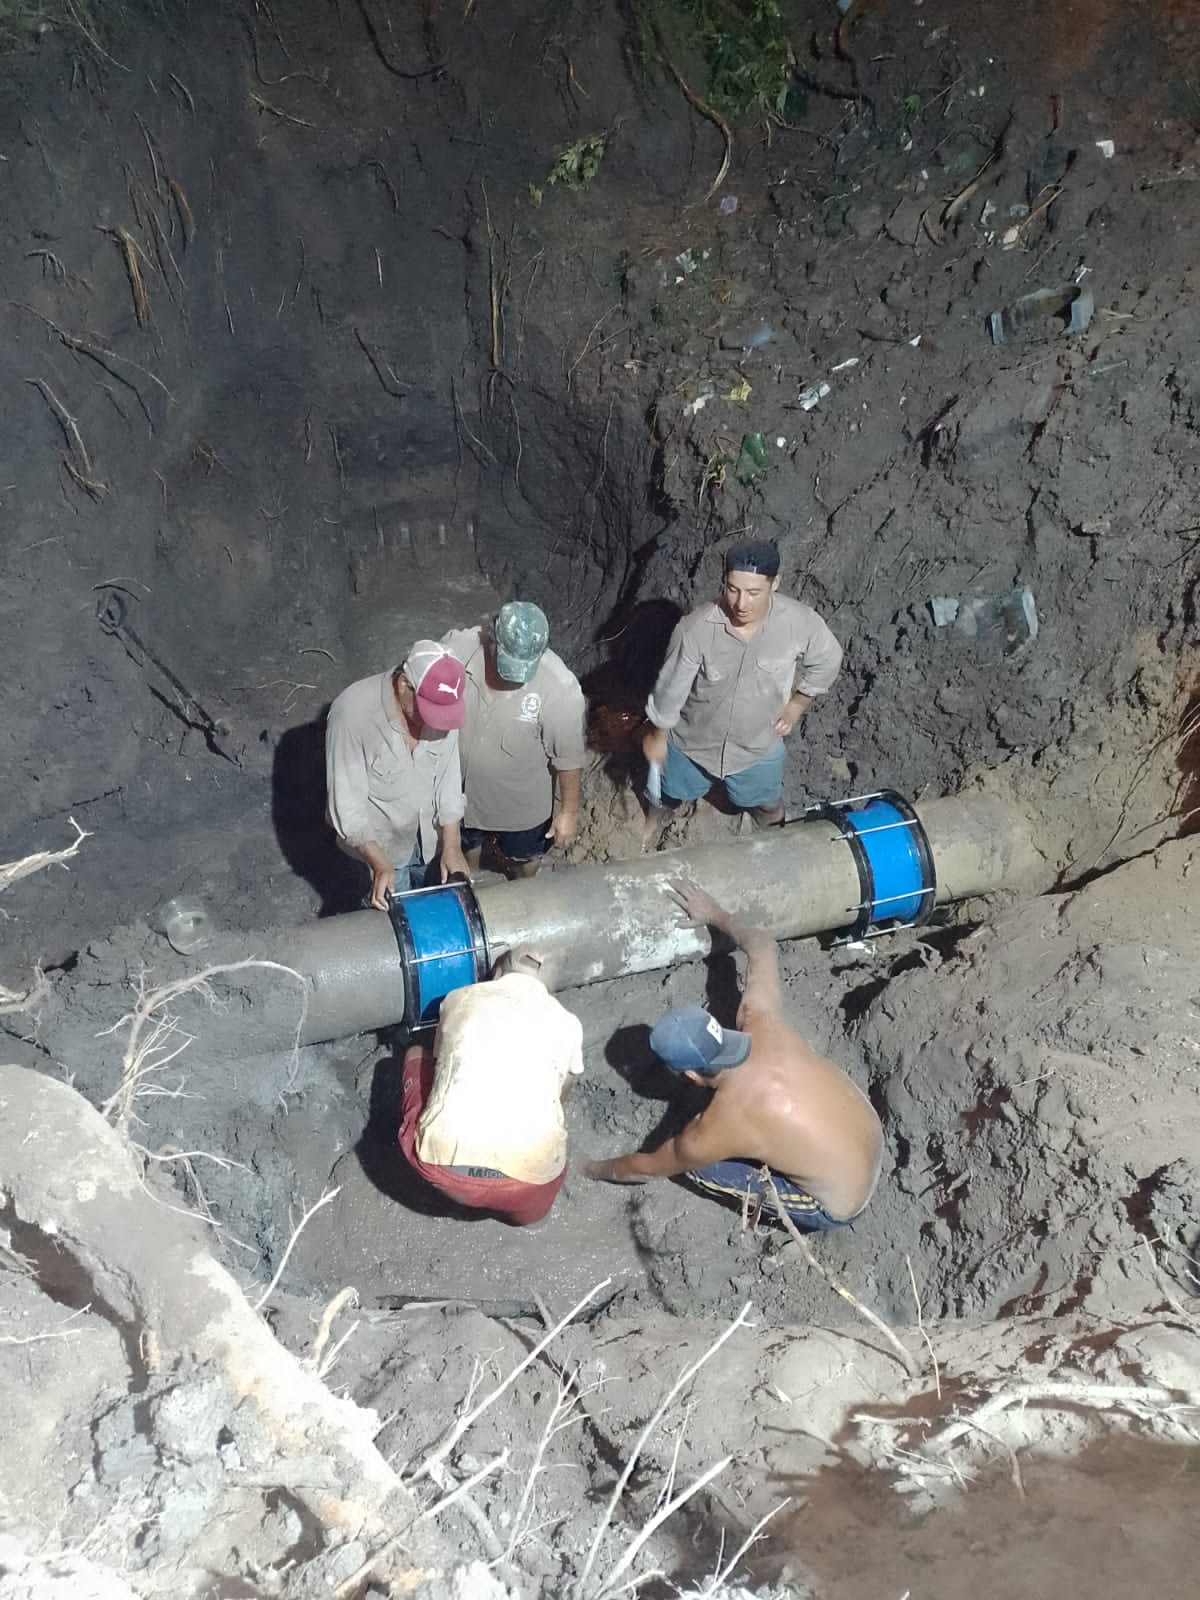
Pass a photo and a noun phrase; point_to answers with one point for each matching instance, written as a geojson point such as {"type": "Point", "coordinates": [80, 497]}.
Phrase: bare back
{"type": "Point", "coordinates": [788, 1106]}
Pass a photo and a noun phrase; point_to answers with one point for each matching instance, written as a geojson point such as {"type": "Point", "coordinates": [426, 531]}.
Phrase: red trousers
{"type": "Point", "coordinates": [508, 1198]}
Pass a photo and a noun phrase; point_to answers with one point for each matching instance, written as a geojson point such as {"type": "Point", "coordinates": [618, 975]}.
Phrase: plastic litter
{"type": "Point", "coordinates": [696, 406]}
{"type": "Point", "coordinates": [186, 923]}
{"type": "Point", "coordinates": [1075, 303]}
{"type": "Point", "coordinates": [813, 395]}
{"type": "Point", "coordinates": [729, 204]}
{"type": "Point", "coordinates": [850, 361]}
{"type": "Point", "coordinates": [654, 779]}
{"type": "Point", "coordinates": [1106, 148]}
{"type": "Point", "coordinates": [1011, 618]}
{"type": "Point", "coordinates": [752, 458]}
{"type": "Point", "coordinates": [755, 339]}
{"type": "Point", "coordinates": [689, 260]}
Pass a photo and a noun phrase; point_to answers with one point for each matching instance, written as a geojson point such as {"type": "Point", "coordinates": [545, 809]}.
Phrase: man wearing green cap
{"type": "Point", "coordinates": [523, 738]}
{"type": "Point", "coordinates": [739, 674]}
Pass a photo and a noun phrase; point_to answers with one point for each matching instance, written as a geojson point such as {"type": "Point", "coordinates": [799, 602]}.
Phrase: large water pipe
{"type": "Point", "coordinates": [609, 920]}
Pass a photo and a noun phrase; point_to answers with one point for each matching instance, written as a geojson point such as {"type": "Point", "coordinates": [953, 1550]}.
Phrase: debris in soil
{"type": "Point", "coordinates": [1076, 304]}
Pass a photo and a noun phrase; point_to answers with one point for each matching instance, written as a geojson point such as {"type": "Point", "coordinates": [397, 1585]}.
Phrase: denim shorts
{"type": "Point", "coordinates": [737, 1179]}
{"type": "Point", "coordinates": [758, 785]}
{"type": "Point", "coordinates": [522, 844]}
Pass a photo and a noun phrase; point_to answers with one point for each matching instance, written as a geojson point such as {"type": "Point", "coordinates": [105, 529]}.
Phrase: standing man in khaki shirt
{"type": "Point", "coordinates": [738, 676]}
{"type": "Point", "coordinates": [523, 733]}
{"type": "Point", "coordinates": [392, 773]}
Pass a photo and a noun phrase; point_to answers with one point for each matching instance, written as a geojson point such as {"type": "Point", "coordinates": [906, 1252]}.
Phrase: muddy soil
{"type": "Point", "coordinates": [305, 356]}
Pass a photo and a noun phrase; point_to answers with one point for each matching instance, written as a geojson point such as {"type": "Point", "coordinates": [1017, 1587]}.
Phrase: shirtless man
{"type": "Point", "coordinates": [775, 1102]}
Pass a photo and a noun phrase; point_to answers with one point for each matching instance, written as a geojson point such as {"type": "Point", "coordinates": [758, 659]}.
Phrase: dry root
{"type": "Point", "coordinates": [155, 1038]}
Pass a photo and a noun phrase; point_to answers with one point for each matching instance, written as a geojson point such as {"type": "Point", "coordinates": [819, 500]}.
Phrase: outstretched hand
{"type": "Point", "coordinates": [699, 908]}
{"type": "Point", "coordinates": [605, 1172]}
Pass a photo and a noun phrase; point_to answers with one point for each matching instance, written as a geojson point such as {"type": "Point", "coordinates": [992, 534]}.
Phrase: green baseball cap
{"type": "Point", "coordinates": [520, 635]}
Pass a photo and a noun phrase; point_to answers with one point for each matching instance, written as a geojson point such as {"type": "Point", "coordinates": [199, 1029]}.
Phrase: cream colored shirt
{"type": "Point", "coordinates": [514, 740]}
{"type": "Point", "coordinates": [380, 791]}
{"type": "Point", "coordinates": [720, 695]}
{"type": "Point", "coordinates": [503, 1051]}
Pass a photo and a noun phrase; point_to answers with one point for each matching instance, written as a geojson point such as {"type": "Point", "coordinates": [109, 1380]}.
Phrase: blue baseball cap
{"type": "Point", "coordinates": [690, 1039]}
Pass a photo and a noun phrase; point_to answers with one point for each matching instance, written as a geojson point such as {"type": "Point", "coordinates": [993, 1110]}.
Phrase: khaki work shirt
{"type": "Point", "coordinates": [515, 739]}
{"type": "Point", "coordinates": [503, 1051]}
{"type": "Point", "coordinates": [380, 792]}
{"type": "Point", "coordinates": [719, 695]}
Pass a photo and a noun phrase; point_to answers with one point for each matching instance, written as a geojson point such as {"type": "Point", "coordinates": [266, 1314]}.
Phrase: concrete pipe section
{"type": "Point", "coordinates": [858, 867]}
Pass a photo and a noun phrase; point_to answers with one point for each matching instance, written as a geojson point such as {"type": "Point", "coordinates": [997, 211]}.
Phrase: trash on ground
{"type": "Point", "coordinates": [813, 395]}
{"type": "Point", "coordinates": [689, 260]}
{"type": "Point", "coordinates": [1011, 617]}
{"type": "Point", "coordinates": [748, 339]}
{"type": "Point", "coordinates": [1106, 148]}
{"type": "Point", "coordinates": [1074, 303]}
{"type": "Point", "coordinates": [780, 442]}
{"type": "Point", "coordinates": [186, 924]}
{"type": "Point", "coordinates": [729, 204]}
{"type": "Point", "coordinates": [851, 361]}
{"type": "Point", "coordinates": [740, 393]}
{"type": "Point", "coordinates": [694, 407]}
{"type": "Point", "coordinates": [752, 458]}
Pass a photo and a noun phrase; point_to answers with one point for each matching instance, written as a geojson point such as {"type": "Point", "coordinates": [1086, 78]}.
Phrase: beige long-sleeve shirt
{"type": "Point", "coordinates": [514, 740]}
{"type": "Point", "coordinates": [719, 695]}
{"type": "Point", "coordinates": [380, 791]}
{"type": "Point", "coordinates": [503, 1051]}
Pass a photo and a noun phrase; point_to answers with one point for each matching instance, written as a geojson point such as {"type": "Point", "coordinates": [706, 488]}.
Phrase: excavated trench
{"type": "Point", "coordinates": [389, 389]}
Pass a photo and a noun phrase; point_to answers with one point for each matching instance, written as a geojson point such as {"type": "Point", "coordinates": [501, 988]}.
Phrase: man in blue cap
{"type": "Point", "coordinates": [780, 1114]}
{"type": "Point", "coordinates": [522, 744]}
{"type": "Point", "coordinates": [739, 674]}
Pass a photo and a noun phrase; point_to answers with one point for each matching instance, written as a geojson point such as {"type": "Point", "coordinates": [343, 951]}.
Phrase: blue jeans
{"type": "Point", "coordinates": [760, 784]}
{"type": "Point", "coordinates": [736, 1179]}
{"type": "Point", "coordinates": [414, 868]}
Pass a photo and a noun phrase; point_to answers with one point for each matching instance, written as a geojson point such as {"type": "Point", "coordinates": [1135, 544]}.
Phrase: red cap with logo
{"type": "Point", "coordinates": [438, 682]}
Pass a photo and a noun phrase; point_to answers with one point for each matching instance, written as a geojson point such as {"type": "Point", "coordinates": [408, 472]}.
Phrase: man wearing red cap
{"type": "Point", "coordinates": [740, 672]}
{"type": "Point", "coordinates": [392, 772]}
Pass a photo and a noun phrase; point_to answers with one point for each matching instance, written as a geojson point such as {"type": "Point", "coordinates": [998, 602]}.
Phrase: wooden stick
{"type": "Point", "coordinates": [656, 1521]}
{"type": "Point", "coordinates": [101, 355]}
{"type": "Point", "coordinates": [284, 116]}
{"type": "Point", "coordinates": [187, 220]}
{"type": "Point", "coordinates": [937, 1377]}
{"type": "Point", "coordinates": [876, 1321]}
{"type": "Point", "coordinates": [684, 1378]}
{"type": "Point", "coordinates": [69, 426]}
{"type": "Point", "coordinates": [722, 1573]}
{"type": "Point", "coordinates": [13, 871]}
{"type": "Point", "coordinates": [128, 248]}
{"type": "Point", "coordinates": [326, 1198]}
{"type": "Point", "coordinates": [454, 1433]}
{"type": "Point", "coordinates": [344, 1297]}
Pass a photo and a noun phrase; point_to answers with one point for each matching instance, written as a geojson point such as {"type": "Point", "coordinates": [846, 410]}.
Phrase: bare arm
{"type": "Point", "coordinates": [565, 821]}
{"type": "Point", "coordinates": [697, 1145]}
{"type": "Point", "coordinates": [762, 995]}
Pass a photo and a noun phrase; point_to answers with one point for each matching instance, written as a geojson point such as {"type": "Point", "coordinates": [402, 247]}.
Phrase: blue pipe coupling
{"type": "Point", "coordinates": [896, 876]}
{"type": "Point", "coordinates": [443, 945]}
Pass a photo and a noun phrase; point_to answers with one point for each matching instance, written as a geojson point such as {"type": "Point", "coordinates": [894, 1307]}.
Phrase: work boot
{"type": "Point", "coordinates": [767, 816]}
